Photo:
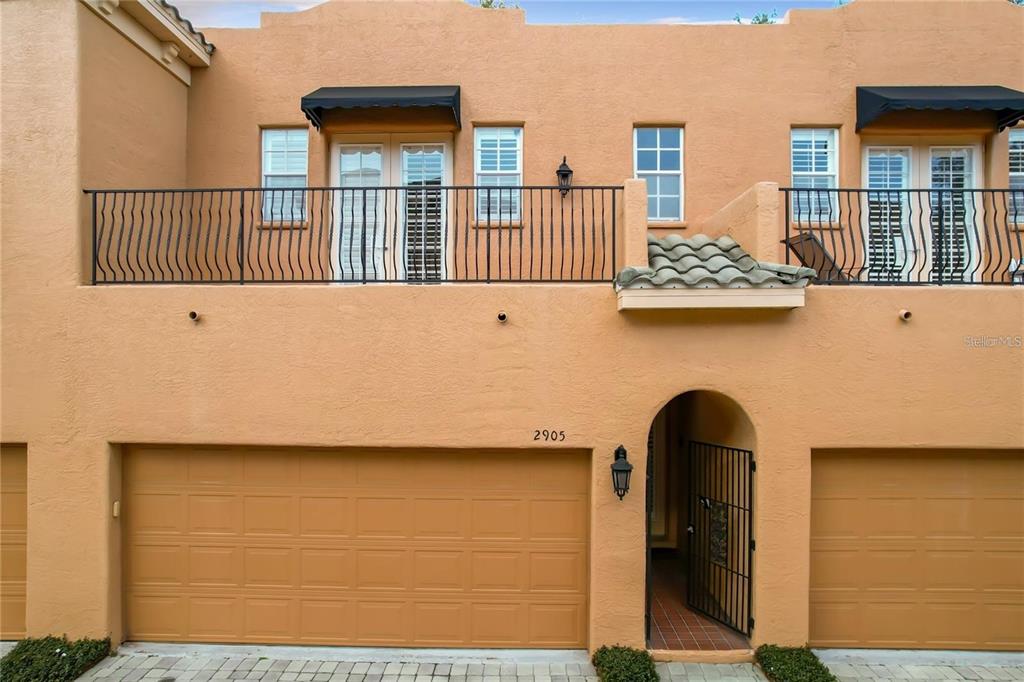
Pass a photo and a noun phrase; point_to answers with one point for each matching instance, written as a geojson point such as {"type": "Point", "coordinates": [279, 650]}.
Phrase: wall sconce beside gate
{"type": "Point", "coordinates": [621, 470]}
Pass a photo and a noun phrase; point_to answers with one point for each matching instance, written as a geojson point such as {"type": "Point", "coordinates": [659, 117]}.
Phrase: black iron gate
{"type": "Point", "coordinates": [721, 534]}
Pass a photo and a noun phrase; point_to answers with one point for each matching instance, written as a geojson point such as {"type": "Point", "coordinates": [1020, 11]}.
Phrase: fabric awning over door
{"type": "Point", "coordinates": [1005, 104]}
{"type": "Point", "coordinates": [445, 97]}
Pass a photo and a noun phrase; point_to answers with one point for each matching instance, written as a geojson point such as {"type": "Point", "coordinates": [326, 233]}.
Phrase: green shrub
{"type": "Point", "coordinates": [51, 659]}
{"type": "Point", "coordinates": [792, 664]}
{"type": "Point", "coordinates": [622, 664]}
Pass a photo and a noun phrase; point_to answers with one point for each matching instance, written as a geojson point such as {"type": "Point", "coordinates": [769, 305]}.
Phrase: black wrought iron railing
{"type": "Point", "coordinates": [414, 234]}
{"type": "Point", "coordinates": [907, 236]}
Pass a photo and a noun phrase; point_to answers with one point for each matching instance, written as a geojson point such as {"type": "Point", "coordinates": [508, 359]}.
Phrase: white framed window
{"type": "Point", "coordinates": [658, 159]}
{"type": "Point", "coordinates": [814, 163]}
{"type": "Point", "coordinates": [1017, 176]}
{"type": "Point", "coordinates": [498, 163]}
{"type": "Point", "coordinates": [1017, 159]}
{"type": "Point", "coordinates": [285, 153]}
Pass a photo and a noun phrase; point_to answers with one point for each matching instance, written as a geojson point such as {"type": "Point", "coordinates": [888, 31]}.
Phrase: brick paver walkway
{"type": "Point", "coordinates": [162, 668]}
{"type": "Point", "coordinates": [189, 666]}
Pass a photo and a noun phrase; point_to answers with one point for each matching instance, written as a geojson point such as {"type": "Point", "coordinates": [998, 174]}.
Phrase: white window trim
{"type": "Point", "coordinates": [832, 172]}
{"type": "Point", "coordinates": [264, 215]}
{"type": "Point", "coordinates": [681, 172]}
{"type": "Point", "coordinates": [477, 172]}
{"type": "Point", "coordinates": [263, 155]}
{"type": "Point", "coordinates": [1015, 133]}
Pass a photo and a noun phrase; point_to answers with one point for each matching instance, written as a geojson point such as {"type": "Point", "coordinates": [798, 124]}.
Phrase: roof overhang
{"type": "Point", "coordinates": [1005, 104]}
{"type": "Point", "coordinates": [711, 299]}
{"type": "Point", "coordinates": [442, 97]}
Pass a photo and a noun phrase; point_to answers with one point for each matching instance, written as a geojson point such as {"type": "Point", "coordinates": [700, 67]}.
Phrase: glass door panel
{"type": "Point", "coordinates": [425, 223]}
{"type": "Point", "coordinates": [887, 220]}
{"type": "Point", "coordinates": [953, 242]}
{"type": "Point", "coordinates": [358, 253]}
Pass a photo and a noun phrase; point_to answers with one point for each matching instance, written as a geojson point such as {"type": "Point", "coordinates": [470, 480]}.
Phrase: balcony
{"type": "Point", "coordinates": [907, 236]}
{"type": "Point", "coordinates": [354, 235]}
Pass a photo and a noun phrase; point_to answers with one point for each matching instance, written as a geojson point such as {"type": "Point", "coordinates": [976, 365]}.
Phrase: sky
{"type": "Point", "coordinates": [246, 13]}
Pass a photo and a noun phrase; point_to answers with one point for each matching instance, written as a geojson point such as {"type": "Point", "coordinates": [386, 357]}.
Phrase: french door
{"type": "Point", "coordinates": [908, 233]}
{"type": "Point", "coordinates": [389, 209]}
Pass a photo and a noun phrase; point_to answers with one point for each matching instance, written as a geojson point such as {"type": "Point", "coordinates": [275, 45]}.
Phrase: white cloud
{"type": "Point", "coordinates": [687, 20]}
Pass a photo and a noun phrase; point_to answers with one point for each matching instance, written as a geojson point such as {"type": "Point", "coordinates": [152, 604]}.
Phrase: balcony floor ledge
{"type": "Point", "coordinates": [688, 299]}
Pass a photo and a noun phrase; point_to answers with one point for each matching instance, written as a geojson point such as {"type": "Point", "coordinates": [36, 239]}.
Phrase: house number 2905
{"type": "Point", "coordinates": [550, 436]}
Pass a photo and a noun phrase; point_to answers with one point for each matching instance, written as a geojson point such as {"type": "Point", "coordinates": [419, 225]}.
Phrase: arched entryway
{"type": "Point", "coordinates": [700, 538]}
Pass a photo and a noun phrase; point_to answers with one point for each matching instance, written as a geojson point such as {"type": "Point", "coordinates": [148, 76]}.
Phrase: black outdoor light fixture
{"type": "Point", "coordinates": [564, 174]}
{"type": "Point", "coordinates": [621, 469]}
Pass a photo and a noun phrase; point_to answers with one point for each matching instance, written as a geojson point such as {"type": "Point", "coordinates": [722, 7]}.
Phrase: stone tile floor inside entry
{"type": "Point", "coordinates": [674, 625]}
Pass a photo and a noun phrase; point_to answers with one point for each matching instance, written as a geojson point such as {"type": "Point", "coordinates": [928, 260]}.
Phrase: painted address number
{"type": "Point", "coordinates": [551, 436]}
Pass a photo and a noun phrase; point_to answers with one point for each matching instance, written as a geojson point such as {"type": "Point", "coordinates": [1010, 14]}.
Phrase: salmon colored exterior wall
{"type": "Point", "coordinates": [86, 369]}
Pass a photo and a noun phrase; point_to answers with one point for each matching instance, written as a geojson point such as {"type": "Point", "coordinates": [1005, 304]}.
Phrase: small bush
{"type": "Point", "coordinates": [792, 664]}
{"type": "Point", "coordinates": [622, 664]}
{"type": "Point", "coordinates": [51, 659]}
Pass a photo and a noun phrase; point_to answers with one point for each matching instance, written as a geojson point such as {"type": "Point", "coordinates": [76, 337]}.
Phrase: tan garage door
{"type": "Point", "coordinates": [917, 549]}
{"type": "Point", "coordinates": [370, 547]}
{"type": "Point", "coordinates": [13, 532]}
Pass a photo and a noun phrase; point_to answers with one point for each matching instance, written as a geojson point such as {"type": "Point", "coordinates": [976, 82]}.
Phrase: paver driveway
{"type": "Point", "coordinates": [198, 664]}
{"type": "Point", "coordinates": [131, 666]}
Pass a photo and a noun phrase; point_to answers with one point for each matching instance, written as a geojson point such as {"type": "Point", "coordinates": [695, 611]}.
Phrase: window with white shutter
{"type": "Point", "coordinates": [285, 155]}
{"type": "Point", "coordinates": [498, 161]}
{"type": "Point", "coordinates": [1017, 176]}
{"type": "Point", "coordinates": [814, 160]}
{"type": "Point", "coordinates": [658, 159]}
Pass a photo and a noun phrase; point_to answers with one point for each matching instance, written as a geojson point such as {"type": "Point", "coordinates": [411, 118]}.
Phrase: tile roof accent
{"type": "Point", "coordinates": [701, 262]}
{"type": "Point", "coordinates": [186, 25]}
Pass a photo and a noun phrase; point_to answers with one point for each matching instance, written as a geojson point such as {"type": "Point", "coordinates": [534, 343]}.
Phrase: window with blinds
{"type": "Point", "coordinates": [952, 212]}
{"type": "Point", "coordinates": [499, 164]}
{"type": "Point", "coordinates": [1017, 176]}
{"type": "Point", "coordinates": [658, 159]}
{"type": "Point", "coordinates": [285, 153]}
{"type": "Point", "coordinates": [814, 161]}
{"type": "Point", "coordinates": [422, 176]}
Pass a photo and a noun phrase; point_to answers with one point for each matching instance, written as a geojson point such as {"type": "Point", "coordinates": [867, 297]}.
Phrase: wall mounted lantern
{"type": "Point", "coordinates": [621, 469]}
{"type": "Point", "coordinates": [564, 174]}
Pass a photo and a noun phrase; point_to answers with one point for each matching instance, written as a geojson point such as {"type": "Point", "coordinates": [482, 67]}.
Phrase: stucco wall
{"type": "Point", "coordinates": [579, 90]}
{"type": "Point", "coordinates": [88, 368]}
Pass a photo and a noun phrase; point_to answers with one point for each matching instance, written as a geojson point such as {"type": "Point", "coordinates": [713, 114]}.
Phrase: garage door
{"type": "Point", "coordinates": [371, 547]}
{"type": "Point", "coordinates": [917, 550]}
{"type": "Point", "coordinates": [13, 518]}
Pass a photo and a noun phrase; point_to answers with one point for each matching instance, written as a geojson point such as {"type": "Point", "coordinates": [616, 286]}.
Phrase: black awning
{"type": "Point", "coordinates": [1006, 104]}
{"type": "Point", "coordinates": [325, 99]}
{"type": "Point", "coordinates": [874, 102]}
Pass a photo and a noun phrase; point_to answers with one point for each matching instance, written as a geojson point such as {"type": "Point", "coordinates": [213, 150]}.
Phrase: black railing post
{"type": "Point", "coordinates": [615, 217]}
{"type": "Point", "coordinates": [942, 247]}
{"type": "Point", "coordinates": [95, 246]}
{"type": "Point", "coordinates": [241, 235]}
{"type": "Point", "coordinates": [488, 236]}
{"type": "Point", "coordinates": [785, 209]}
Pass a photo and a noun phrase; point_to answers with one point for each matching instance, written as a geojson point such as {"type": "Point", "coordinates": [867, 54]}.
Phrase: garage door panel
{"type": "Point", "coordinates": [914, 549]}
{"type": "Point", "coordinates": [265, 555]}
{"type": "Point", "coordinates": [325, 516]}
{"type": "Point", "coordinates": [440, 518]}
{"type": "Point", "coordinates": [13, 539]}
{"type": "Point", "coordinates": [440, 623]}
{"type": "Point", "coordinates": [270, 515]}
{"type": "Point", "coordinates": [326, 621]}
{"type": "Point", "coordinates": [326, 568]}
{"type": "Point", "coordinates": [157, 512]}
{"type": "Point", "coordinates": [215, 514]}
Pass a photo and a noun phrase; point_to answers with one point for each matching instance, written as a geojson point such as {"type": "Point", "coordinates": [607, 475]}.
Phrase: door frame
{"type": "Point", "coordinates": [391, 145]}
{"type": "Point", "coordinates": [920, 149]}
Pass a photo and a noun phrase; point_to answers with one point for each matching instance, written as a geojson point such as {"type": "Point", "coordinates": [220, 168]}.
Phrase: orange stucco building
{"type": "Point", "coordinates": [340, 342]}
